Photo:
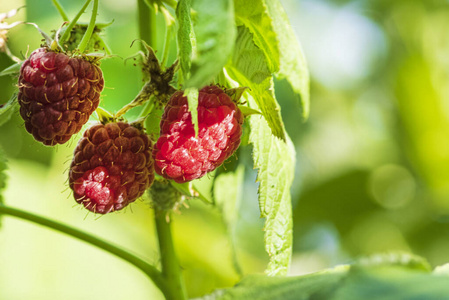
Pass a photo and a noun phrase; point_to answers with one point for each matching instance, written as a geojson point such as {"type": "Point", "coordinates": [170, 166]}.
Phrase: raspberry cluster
{"type": "Point", "coordinates": [112, 167]}
{"type": "Point", "coordinates": [57, 94]}
{"type": "Point", "coordinates": [182, 156]}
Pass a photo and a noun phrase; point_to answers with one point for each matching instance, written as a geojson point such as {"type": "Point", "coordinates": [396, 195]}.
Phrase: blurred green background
{"type": "Point", "coordinates": [372, 160]}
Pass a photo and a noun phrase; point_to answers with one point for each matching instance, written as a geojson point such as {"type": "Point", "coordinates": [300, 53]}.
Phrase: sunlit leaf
{"type": "Point", "coordinates": [186, 37]}
{"type": "Point", "coordinates": [293, 65]}
{"type": "Point", "coordinates": [254, 15]}
{"type": "Point", "coordinates": [250, 68]}
{"type": "Point", "coordinates": [192, 100]}
{"type": "Point", "coordinates": [275, 161]}
{"type": "Point", "coordinates": [384, 277]}
{"type": "Point", "coordinates": [214, 28]}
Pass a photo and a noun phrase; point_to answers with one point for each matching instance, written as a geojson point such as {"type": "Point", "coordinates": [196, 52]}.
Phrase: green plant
{"type": "Point", "coordinates": [242, 46]}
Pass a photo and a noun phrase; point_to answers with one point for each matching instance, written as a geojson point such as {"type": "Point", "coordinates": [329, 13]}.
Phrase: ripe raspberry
{"type": "Point", "coordinates": [181, 156]}
{"type": "Point", "coordinates": [112, 167]}
{"type": "Point", "coordinates": [57, 94]}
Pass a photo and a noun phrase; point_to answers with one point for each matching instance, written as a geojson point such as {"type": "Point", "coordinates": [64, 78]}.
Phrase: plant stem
{"type": "Point", "coordinates": [66, 34]}
{"type": "Point", "coordinates": [171, 270]}
{"type": "Point", "coordinates": [61, 10]}
{"type": "Point", "coordinates": [147, 24]}
{"type": "Point", "coordinates": [154, 274]}
{"type": "Point", "coordinates": [90, 29]}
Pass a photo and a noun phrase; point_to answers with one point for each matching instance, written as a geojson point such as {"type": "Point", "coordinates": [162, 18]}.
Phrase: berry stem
{"type": "Point", "coordinates": [60, 10]}
{"type": "Point", "coordinates": [147, 24]}
{"type": "Point", "coordinates": [66, 34]}
{"type": "Point", "coordinates": [154, 274]}
{"type": "Point", "coordinates": [169, 30]}
{"type": "Point", "coordinates": [171, 270]}
{"type": "Point", "coordinates": [90, 29]}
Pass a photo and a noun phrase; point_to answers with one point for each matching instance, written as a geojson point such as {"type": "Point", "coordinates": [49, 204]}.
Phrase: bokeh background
{"type": "Point", "coordinates": [372, 160]}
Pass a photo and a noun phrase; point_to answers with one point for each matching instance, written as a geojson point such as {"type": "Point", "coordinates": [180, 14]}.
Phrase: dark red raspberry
{"type": "Point", "coordinates": [181, 156]}
{"type": "Point", "coordinates": [57, 94]}
{"type": "Point", "coordinates": [112, 167]}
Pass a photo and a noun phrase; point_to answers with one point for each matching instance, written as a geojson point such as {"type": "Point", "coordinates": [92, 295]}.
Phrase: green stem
{"type": "Point", "coordinates": [66, 34]}
{"type": "Point", "coordinates": [61, 10]}
{"type": "Point", "coordinates": [171, 270]}
{"type": "Point", "coordinates": [151, 271]}
{"type": "Point", "coordinates": [169, 29]}
{"type": "Point", "coordinates": [147, 24]}
{"type": "Point", "coordinates": [90, 29]}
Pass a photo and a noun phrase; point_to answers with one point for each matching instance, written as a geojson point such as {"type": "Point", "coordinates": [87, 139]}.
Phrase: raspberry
{"type": "Point", "coordinates": [57, 94]}
{"type": "Point", "coordinates": [112, 167]}
{"type": "Point", "coordinates": [182, 156]}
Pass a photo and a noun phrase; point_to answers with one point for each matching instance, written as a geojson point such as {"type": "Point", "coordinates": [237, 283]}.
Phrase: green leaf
{"type": "Point", "coordinates": [186, 37]}
{"type": "Point", "coordinates": [392, 282]}
{"type": "Point", "coordinates": [12, 70]}
{"type": "Point", "coordinates": [254, 15]}
{"type": "Point", "coordinates": [293, 65]}
{"type": "Point", "coordinates": [214, 28]}
{"type": "Point", "coordinates": [390, 276]}
{"type": "Point", "coordinates": [316, 286]}
{"type": "Point", "coordinates": [8, 109]}
{"type": "Point", "coordinates": [250, 68]}
{"type": "Point", "coordinates": [275, 161]}
{"type": "Point", "coordinates": [248, 111]}
{"type": "Point", "coordinates": [227, 193]}
{"type": "Point", "coordinates": [192, 100]}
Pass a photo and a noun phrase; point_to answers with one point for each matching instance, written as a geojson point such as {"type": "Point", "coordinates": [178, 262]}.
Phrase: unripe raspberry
{"type": "Point", "coordinates": [57, 94]}
{"type": "Point", "coordinates": [112, 166]}
{"type": "Point", "coordinates": [182, 156]}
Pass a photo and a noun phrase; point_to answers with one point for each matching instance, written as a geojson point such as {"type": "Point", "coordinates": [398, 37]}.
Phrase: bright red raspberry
{"type": "Point", "coordinates": [182, 156]}
{"type": "Point", "coordinates": [57, 94]}
{"type": "Point", "coordinates": [112, 166]}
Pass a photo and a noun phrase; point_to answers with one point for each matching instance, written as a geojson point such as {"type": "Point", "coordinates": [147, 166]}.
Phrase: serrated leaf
{"type": "Point", "coordinates": [12, 70]}
{"type": "Point", "coordinates": [249, 68]}
{"type": "Point", "coordinates": [248, 111]}
{"type": "Point", "coordinates": [407, 260]}
{"type": "Point", "coordinates": [8, 109]}
{"type": "Point", "coordinates": [275, 161]}
{"type": "Point", "coordinates": [315, 286]}
{"type": "Point", "coordinates": [192, 100]}
{"type": "Point", "coordinates": [186, 37]}
{"type": "Point", "coordinates": [392, 282]}
{"type": "Point", "coordinates": [227, 193]}
{"type": "Point", "coordinates": [392, 277]}
{"type": "Point", "coordinates": [254, 15]}
{"type": "Point", "coordinates": [293, 65]}
{"type": "Point", "coordinates": [215, 35]}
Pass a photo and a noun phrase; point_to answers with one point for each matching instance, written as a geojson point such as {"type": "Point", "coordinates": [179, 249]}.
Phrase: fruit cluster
{"type": "Point", "coordinates": [115, 162]}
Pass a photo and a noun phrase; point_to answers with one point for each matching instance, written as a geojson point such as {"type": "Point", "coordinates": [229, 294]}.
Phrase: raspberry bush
{"type": "Point", "coordinates": [205, 117]}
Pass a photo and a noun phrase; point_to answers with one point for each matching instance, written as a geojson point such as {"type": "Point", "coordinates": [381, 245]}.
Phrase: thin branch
{"type": "Point", "coordinates": [151, 271]}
